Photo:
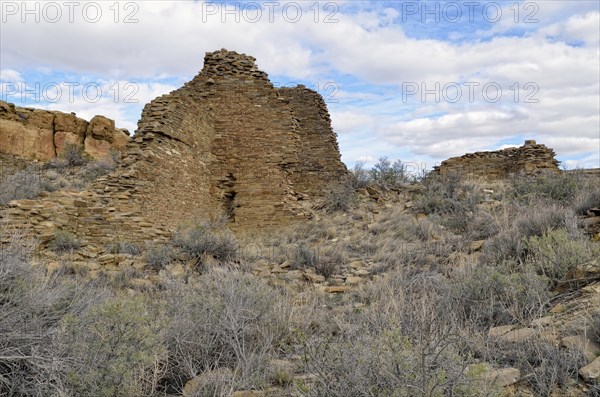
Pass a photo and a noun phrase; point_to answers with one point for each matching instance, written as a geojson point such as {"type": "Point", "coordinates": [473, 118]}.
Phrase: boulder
{"type": "Point", "coordinates": [591, 372]}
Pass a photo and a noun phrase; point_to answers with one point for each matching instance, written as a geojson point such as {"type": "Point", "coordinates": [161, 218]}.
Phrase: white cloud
{"type": "Point", "coordinates": [10, 76]}
{"type": "Point", "coordinates": [171, 37]}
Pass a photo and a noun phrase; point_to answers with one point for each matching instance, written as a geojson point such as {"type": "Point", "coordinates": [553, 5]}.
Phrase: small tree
{"type": "Point", "coordinates": [387, 174]}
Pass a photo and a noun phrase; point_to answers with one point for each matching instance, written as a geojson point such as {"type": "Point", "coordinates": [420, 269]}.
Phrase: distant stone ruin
{"type": "Point", "coordinates": [226, 143]}
{"type": "Point", "coordinates": [38, 134]}
{"type": "Point", "coordinates": [529, 159]}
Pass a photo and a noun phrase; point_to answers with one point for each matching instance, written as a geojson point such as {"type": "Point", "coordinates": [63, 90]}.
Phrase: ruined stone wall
{"type": "Point", "coordinates": [319, 155]}
{"type": "Point", "coordinates": [529, 159]}
{"type": "Point", "coordinates": [226, 143]}
{"type": "Point", "coordinates": [245, 142]}
{"type": "Point", "coordinates": [38, 134]}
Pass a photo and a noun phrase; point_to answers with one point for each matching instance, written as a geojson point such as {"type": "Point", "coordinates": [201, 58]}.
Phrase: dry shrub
{"type": "Point", "coordinates": [586, 200]}
{"type": "Point", "coordinates": [207, 238]}
{"type": "Point", "coordinates": [340, 196]}
{"type": "Point", "coordinates": [232, 320]}
{"type": "Point", "coordinates": [509, 244]}
{"type": "Point", "coordinates": [404, 341]}
{"type": "Point", "coordinates": [25, 184]}
{"type": "Point", "coordinates": [547, 186]}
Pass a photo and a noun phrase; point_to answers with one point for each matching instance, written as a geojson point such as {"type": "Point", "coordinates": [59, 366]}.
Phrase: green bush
{"type": "Point", "coordinates": [32, 306]}
{"type": "Point", "coordinates": [403, 342]}
{"type": "Point", "coordinates": [94, 169]}
{"type": "Point", "coordinates": [551, 187]}
{"type": "Point", "coordinates": [447, 194]}
{"type": "Point", "coordinates": [116, 349]}
{"type": "Point", "coordinates": [509, 244]}
{"type": "Point", "coordinates": [500, 294]}
{"type": "Point", "coordinates": [388, 175]}
{"type": "Point", "coordinates": [159, 255]}
{"type": "Point", "coordinates": [547, 368]}
{"type": "Point", "coordinates": [360, 177]}
{"type": "Point", "coordinates": [595, 324]}
{"type": "Point", "coordinates": [555, 253]}
{"type": "Point", "coordinates": [124, 247]}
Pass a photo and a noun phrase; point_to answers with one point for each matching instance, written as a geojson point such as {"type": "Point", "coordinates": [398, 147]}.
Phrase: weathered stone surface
{"type": "Point", "coordinates": [529, 159]}
{"type": "Point", "coordinates": [508, 333]}
{"type": "Point", "coordinates": [26, 132]}
{"type": "Point", "coordinates": [588, 347]}
{"type": "Point", "coordinates": [195, 386]}
{"type": "Point", "coordinates": [233, 143]}
{"type": "Point", "coordinates": [37, 134]}
{"type": "Point", "coordinates": [505, 376]}
{"type": "Point", "coordinates": [226, 143]}
{"type": "Point", "coordinates": [591, 371]}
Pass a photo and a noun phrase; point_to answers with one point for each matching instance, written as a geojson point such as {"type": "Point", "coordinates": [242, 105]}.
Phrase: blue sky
{"type": "Point", "coordinates": [415, 81]}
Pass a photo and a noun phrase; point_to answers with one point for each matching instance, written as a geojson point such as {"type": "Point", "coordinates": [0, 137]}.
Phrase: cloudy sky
{"type": "Point", "coordinates": [415, 81]}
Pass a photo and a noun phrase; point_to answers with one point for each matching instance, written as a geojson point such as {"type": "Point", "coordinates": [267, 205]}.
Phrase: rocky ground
{"type": "Point", "coordinates": [438, 287]}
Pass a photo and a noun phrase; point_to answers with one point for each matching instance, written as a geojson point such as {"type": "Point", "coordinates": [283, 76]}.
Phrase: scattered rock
{"type": "Point", "coordinates": [591, 372]}
{"type": "Point", "coordinates": [504, 376]}
{"type": "Point", "coordinates": [195, 386]}
{"type": "Point", "coordinates": [588, 347]}
{"type": "Point", "coordinates": [338, 289]}
{"type": "Point", "coordinates": [476, 245]}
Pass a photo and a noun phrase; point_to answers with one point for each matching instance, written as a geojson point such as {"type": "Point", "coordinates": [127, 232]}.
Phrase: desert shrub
{"type": "Point", "coordinates": [94, 169]}
{"type": "Point", "coordinates": [593, 391]}
{"type": "Point", "coordinates": [232, 320]}
{"type": "Point", "coordinates": [482, 226]}
{"type": "Point", "coordinates": [510, 244]}
{"type": "Point", "coordinates": [64, 242]}
{"type": "Point", "coordinates": [586, 200]}
{"type": "Point", "coordinates": [124, 247]}
{"type": "Point", "coordinates": [325, 260]}
{"type": "Point", "coordinates": [447, 194]}
{"type": "Point", "coordinates": [388, 175]}
{"type": "Point", "coordinates": [499, 294]}
{"type": "Point", "coordinates": [56, 163]}
{"type": "Point", "coordinates": [26, 184]}
{"type": "Point", "coordinates": [595, 324]}
{"type": "Point", "coordinates": [32, 306]}
{"type": "Point", "coordinates": [340, 196]}
{"type": "Point", "coordinates": [553, 187]}
{"type": "Point", "coordinates": [545, 367]}
{"type": "Point", "coordinates": [159, 255]}
{"type": "Point", "coordinates": [304, 257]}
{"type": "Point", "coordinates": [116, 348]}
{"type": "Point", "coordinates": [360, 177]}
{"type": "Point", "coordinates": [403, 342]}
{"type": "Point", "coordinates": [206, 238]}
{"type": "Point", "coordinates": [74, 155]}
{"type": "Point", "coordinates": [555, 253]}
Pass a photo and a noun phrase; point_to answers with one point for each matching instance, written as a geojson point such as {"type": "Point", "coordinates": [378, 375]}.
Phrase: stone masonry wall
{"type": "Point", "coordinates": [38, 134]}
{"type": "Point", "coordinates": [246, 143]}
{"type": "Point", "coordinates": [319, 155]}
{"type": "Point", "coordinates": [226, 143]}
{"type": "Point", "coordinates": [529, 159]}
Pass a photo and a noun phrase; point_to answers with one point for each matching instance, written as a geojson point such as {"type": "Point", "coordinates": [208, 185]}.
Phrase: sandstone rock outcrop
{"type": "Point", "coordinates": [228, 142]}
{"type": "Point", "coordinates": [38, 134]}
{"type": "Point", "coordinates": [529, 159]}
